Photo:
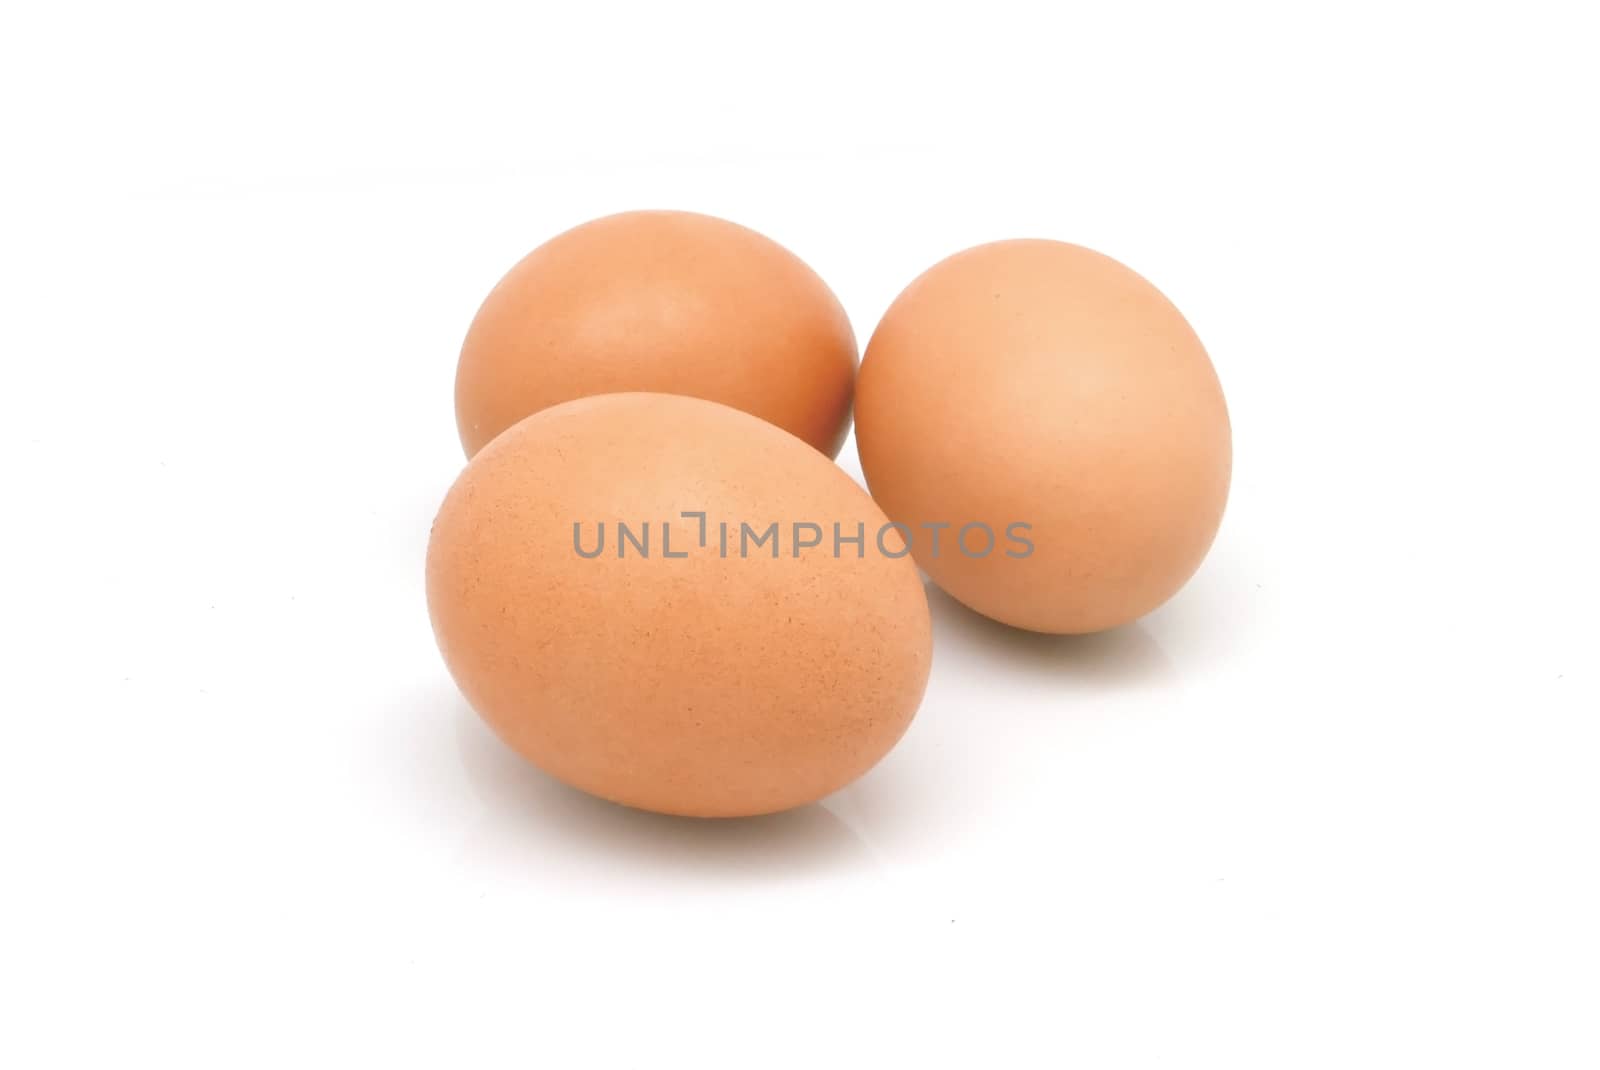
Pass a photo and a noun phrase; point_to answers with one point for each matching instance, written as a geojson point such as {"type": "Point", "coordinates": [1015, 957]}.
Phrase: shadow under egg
{"type": "Point", "coordinates": [1124, 656]}
{"type": "Point", "coordinates": [529, 812]}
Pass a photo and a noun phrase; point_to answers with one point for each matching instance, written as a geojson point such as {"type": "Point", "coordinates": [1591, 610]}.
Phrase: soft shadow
{"type": "Point", "coordinates": [1125, 656]}
{"type": "Point", "coordinates": [526, 810]}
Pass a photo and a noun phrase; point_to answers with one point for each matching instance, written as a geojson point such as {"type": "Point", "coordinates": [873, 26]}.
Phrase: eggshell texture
{"type": "Point", "coordinates": [694, 683]}
{"type": "Point", "coordinates": [1041, 383]}
{"type": "Point", "coordinates": [660, 301]}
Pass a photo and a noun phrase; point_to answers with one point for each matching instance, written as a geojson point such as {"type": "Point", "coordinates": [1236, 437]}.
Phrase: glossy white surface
{"type": "Point", "coordinates": [1335, 805]}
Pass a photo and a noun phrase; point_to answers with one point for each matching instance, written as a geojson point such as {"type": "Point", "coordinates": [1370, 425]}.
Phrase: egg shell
{"type": "Point", "coordinates": [1043, 384]}
{"type": "Point", "coordinates": [700, 684]}
{"type": "Point", "coordinates": [673, 302]}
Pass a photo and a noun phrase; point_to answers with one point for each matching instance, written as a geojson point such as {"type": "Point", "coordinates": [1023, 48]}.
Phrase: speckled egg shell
{"type": "Point", "coordinates": [700, 684]}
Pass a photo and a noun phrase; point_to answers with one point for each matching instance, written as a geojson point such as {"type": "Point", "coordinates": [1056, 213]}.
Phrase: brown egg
{"type": "Point", "coordinates": [660, 301]}
{"type": "Point", "coordinates": [643, 594]}
{"type": "Point", "coordinates": [1061, 417]}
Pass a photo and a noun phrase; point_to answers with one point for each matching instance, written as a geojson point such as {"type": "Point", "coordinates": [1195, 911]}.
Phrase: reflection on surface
{"type": "Point", "coordinates": [526, 810]}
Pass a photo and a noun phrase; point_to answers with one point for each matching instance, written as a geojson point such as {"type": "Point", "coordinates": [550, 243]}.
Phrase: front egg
{"type": "Point", "coordinates": [676, 606]}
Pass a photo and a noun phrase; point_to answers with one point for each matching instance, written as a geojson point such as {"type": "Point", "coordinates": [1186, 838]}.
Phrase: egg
{"type": "Point", "coordinates": [1050, 429]}
{"type": "Point", "coordinates": [677, 606]}
{"type": "Point", "coordinates": [671, 302]}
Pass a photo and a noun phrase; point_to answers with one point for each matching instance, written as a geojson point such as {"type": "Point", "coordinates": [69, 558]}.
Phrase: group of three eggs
{"type": "Point", "coordinates": [652, 581]}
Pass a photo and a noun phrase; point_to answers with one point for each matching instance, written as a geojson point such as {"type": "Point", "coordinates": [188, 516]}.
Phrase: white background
{"type": "Point", "coordinates": [1335, 805]}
